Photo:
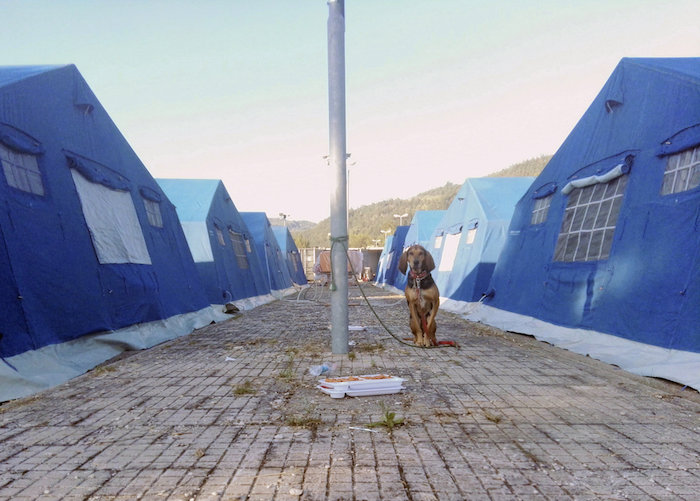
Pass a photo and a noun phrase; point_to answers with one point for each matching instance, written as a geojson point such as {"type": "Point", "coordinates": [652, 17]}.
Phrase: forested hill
{"type": "Point", "coordinates": [365, 224]}
{"type": "Point", "coordinates": [531, 167]}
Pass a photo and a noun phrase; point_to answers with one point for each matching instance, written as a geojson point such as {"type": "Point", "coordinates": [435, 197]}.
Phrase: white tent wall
{"type": "Point", "coordinates": [197, 236]}
{"type": "Point", "coordinates": [638, 358]}
{"type": "Point", "coordinates": [36, 370]}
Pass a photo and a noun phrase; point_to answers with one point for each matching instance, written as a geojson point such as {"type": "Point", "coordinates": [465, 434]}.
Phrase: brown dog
{"type": "Point", "coordinates": [422, 294]}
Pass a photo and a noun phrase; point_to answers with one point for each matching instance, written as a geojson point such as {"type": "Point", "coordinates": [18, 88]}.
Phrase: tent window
{"type": "Point", "coordinates": [248, 248]}
{"type": "Point", "coordinates": [438, 242]}
{"type": "Point", "coordinates": [540, 210]}
{"type": "Point", "coordinates": [21, 171]}
{"type": "Point", "coordinates": [589, 221]}
{"type": "Point", "coordinates": [112, 222]}
{"type": "Point", "coordinates": [239, 249]}
{"type": "Point", "coordinates": [449, 253]}
{"type": "Point", "coordinates": [220, 236]}
{"type": "Point", "coordinates": [155, 218]}
{"type": "Point", "coordinates": [295, 265]}
{"type": "Point", "coordinates": [471, 236]}
{"type": "Point", "coordinates": [197, 235]}
{"type": "Point", "coordinates": [682, 172]}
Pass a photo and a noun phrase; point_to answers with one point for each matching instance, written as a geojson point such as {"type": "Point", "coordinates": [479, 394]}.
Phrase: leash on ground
{"type": "Point", "coordinates": [441, 344]}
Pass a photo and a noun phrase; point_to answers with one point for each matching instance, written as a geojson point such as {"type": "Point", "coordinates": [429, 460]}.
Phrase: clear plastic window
{"type": "Point", "coordinates": [589, 221]}
{"type": "Point", "coordinates": [239, 249]}
{"type": "Point", "coordinates": [220, 236]}
{"type": "Point", "coordinates": [682, 172]}
{"type": "Point", "coordinates": [155, 218]}
{"type": "Point", "coordinates": [540, 210]}
{"type": "Point", "coordinates": [21, 171]}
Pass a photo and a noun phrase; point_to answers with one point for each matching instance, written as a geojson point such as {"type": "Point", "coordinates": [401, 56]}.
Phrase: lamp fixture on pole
{"type": "Point", "coordinates": [386, 232]}
{"type": "Point", "coordinates": [401, 216]}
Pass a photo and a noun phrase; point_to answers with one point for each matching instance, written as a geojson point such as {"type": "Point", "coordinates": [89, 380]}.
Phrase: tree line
{"type": "Point", "coordinates": [366, 223]}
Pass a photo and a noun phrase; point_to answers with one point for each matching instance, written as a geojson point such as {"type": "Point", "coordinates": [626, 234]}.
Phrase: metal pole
{"type": "Point", "coordinates": [337, 161]}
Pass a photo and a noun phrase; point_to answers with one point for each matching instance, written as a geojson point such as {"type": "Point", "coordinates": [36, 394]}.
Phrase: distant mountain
{"type": "Point", "coordinates": [365, 224]}
{"type": "Point", "coordinates": [291, 224]}
{"type": "Point", "coordinates": [531, 167]}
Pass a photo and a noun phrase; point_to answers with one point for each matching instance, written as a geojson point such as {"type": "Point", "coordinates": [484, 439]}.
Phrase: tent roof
{"type": "Point", "coordinates": [258, 220]}
{"type": "Point", "coordinates": [624, 99]}
{"type": "Point", "coordinates": [422, 226]}
{"type": "Point", "coordinates": [682, 66]}
{"type": "Point", "coordinates": [192, 197]}
{"type": "Point", "coordinates": [496, 195]}
{"type": "Point", "coordinates": [281, 234]}
{"type": "Point", "coordinates": [12, 74]}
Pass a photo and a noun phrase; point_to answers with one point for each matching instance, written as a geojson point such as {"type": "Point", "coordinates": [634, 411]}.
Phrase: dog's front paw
{"type": "Point", "coordinates": [430, 341]}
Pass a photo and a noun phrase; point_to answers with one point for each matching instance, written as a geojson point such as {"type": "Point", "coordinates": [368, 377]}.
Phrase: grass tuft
{"type": "Point", "coordinates": [245, 388]}
{"type": "Point", "coordinates": [389, 419]}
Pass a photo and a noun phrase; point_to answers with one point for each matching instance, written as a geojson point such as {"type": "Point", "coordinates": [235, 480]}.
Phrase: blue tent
{"type": "Point", "coordinates": [389, 260]}
{"type": "Point", "coordinates": [269, 251]}
{"type": "Point", "coordinates": [380, 276]}
{"type": "Point", "coordinates": [467, 241]}
{"type": "Point", "coordinates": [419, 232]}
{"type": "Point", "coordinates": [603, 250]}
{"type": "Point", "coordinates": [422, 227]}
{"type": "Point", "coordinates": [219, 240]}
{"type": "Point", "coordinates": [88, 241]}
{"type": "Point", "coordinates": [291, 252]}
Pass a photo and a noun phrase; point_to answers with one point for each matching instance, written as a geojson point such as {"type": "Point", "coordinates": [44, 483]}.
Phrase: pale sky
{"type": "Point", "coordinates": [437, 90]}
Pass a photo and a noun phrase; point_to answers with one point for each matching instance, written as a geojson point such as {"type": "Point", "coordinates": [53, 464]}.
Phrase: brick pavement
{"type": "Point", "coordinates": [503, 417]}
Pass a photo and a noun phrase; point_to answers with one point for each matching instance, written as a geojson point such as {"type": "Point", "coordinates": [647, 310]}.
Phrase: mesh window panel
{"type": "Point", "coordinates": [682, 172]}
{"type": "Point", "coordinates": [21, 171]}
{"type": "Point", "coordinates": [220, 236]}
{"type": "Point", "coordinates": [589, 221]}
{"type": "Point", "coordinates": [239, 249]}
{"type": "Point", "coordinates": [541, 209]}
{"type": "Point", "coordinates": [155, 218]}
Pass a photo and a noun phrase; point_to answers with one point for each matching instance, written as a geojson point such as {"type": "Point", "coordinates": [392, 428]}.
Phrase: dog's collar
{"type": "Point", "coordinates": [419, 276]}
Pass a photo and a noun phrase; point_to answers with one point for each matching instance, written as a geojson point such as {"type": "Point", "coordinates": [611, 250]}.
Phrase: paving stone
{"type": "Point", "coordinates": [504, 417]}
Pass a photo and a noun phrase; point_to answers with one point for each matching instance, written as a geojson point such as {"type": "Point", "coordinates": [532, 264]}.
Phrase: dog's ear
{"type": "Point", "coordinates": [429, 263]}
{"type": "Point", "coordinates": [403, 261]}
